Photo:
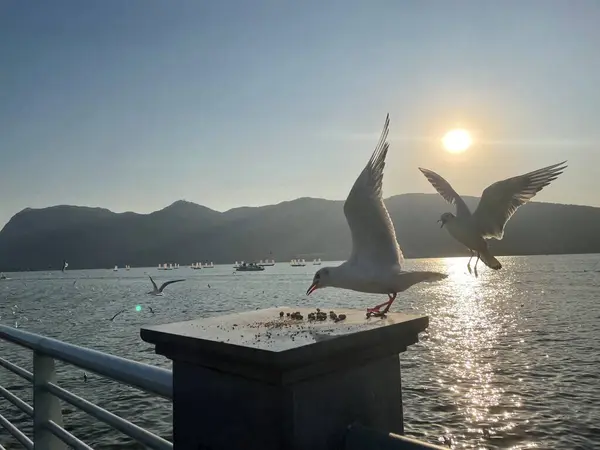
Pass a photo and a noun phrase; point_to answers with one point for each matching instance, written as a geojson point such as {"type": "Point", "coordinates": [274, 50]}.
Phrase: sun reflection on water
{"type": "Point", "coordinates": [470, 323]}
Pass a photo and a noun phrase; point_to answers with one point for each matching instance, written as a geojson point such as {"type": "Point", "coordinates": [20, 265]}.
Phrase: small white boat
{"type": "Point", "coordinates": [115, 269]}
{"type": "Point", "coordinates": [317, 262]}
{"type": "Point", "coordinates": [266, 263]}
{"type": "Point", "coordinates": [250, 267]}
{"type": "Point", "coordinates": [209, 266]}
{"type": "Point", "coordinates": [127, 267]}
{"type": "Point", "coordinates": [297, 263]}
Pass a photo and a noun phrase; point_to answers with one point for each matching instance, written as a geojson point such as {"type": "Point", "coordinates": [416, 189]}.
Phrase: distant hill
{"type": "Point", "coordinates": [185, 232]}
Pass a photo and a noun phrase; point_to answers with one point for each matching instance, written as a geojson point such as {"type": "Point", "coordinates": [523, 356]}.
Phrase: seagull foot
{"type": "Point", "coordinates": [476, 274]}
{"type": "Point", "coordinates": [375, 311]}
{"type": "Point", "coordinates": [469, 267]}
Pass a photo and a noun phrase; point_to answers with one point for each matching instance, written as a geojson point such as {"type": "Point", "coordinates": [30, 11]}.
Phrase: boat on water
{"type": "Point", "coordinates": [116, 269]}
{"type": "Point", "coordinates": [266, 263]}
{"type": "Point", "coordinates": [196, 266]}
{"type": "Point", "coordinates": [3, 277]}
{"type": "Point", "coordinates": [127, 267]}
{"type": "Point", "coordinates": [317, 262]}
{"type": "Point", "coordinates": [208, 265]}
{"type": "Point", "coordinates": [250, 267]}
{"type": "Point", "coordinates": [297, 263]}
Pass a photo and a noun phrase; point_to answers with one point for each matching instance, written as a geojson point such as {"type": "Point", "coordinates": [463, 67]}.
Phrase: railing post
{"type": "Point", "coordinates": [271, 380]}
{"type": "Point", "coordinates": [45, 405]}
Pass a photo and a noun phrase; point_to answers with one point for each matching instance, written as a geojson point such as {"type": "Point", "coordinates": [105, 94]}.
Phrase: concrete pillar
{"type": "Point", "coordinates": [255, 380]}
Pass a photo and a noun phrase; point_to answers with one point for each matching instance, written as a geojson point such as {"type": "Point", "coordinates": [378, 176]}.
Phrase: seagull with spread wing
{"type": "Point", "coordinates": [375, 263]}
{"type": "Point", "coordinates": [498, 203]}
{"type": "Point", "coordinates": [159, 291]}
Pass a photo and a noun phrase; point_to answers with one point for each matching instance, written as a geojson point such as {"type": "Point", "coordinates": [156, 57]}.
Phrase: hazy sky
{"type": "Point", "coordinates": [131, 105]}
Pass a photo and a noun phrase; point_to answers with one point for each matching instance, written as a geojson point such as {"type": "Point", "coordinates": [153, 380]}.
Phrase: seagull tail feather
{"type": "Point", "coordinates": [490, 261]}
{"type": "Point", "coordinates": [432, 276]}
{"type": "Point", "coordinates": [424, 276]}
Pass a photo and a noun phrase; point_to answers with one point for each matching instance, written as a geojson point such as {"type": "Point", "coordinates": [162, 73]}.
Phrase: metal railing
{"type": "Point", "coordinates": [48, 429]}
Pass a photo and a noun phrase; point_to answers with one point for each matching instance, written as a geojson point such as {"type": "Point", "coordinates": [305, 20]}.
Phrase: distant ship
{"type": "Point", "coordinates": [266, 263]}
{"type": "Point", "coordinates": [297, 263]}
{"type": "Point", "coordinates": [250, 267]}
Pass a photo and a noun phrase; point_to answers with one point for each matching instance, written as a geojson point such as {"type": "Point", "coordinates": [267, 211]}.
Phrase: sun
{"type": "Point", "coordinates": [457, 141]}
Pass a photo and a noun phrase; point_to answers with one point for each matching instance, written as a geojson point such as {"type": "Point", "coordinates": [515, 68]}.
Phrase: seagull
{"type": "Point", "coordinates": [151, 310]}
{"type": "Point", "coordinates": [498, 203]}
{"type": "Point", "coordinates": [65, 265]}
{"type": "Point", "coordinates": [158, 291]}
{"type": "Point", "coordinates": [113, 317]}
{"type": "Point", "coordinates": [375, 263]}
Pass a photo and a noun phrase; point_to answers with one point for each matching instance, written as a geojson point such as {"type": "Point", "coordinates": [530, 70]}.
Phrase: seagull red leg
{"type": "Point", "coordinates": [375, 310]}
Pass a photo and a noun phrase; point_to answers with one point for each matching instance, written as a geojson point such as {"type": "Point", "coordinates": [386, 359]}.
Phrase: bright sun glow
{"type": "Point", "coordinates": [457, 141]}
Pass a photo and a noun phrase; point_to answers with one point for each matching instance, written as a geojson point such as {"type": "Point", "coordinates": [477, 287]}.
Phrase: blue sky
{"type": "Point", "coordinates": [131, 105]}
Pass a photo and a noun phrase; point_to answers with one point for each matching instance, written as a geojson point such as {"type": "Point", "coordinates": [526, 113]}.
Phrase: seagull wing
{"type": "Point", "coordinates": [153, 283]}
{"type": "Point", "coordinates": [166, 283]}
{"type": "Point", "coordinates": [500, 200]}
{"type": "Point", "coordinates": [373, 236]}
{"type": "Point", "coordinates": [113, 317]}
{"type": "Point", "coordinates": [445, 190]}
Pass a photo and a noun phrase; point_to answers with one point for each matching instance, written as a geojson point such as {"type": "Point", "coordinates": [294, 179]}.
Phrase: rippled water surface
{"type": "Point", "coordinates": [510, 360]}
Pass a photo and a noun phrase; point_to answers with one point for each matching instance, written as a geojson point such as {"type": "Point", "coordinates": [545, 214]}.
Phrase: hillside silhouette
{"type": "Point", "coordinates": [308, 228]}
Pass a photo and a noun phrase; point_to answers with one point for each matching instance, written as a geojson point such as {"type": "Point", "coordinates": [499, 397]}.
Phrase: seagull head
{"type": "Point", "coordinates": [446, 217]}
{"type": "Point", "coordinates": [320, 280]}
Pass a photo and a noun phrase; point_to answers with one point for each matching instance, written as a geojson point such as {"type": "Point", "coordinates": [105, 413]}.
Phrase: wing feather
{"type": "Point", "coordinates": [447, 192]}
{"type": "Point", "coordinates": [153, 283]}
{"type": "Point", "coordinates": [166, 283]}
{"type": "Point", "coordinates": [500, 200]}
{"type": "Point", "coordinates": [373, 237]}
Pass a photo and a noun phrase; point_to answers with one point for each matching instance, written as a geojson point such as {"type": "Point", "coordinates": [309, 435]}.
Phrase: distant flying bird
{"type": "Point", "coordinates": [113, 317]}
{"type": "Point", "coordinates": [151, 310]}
{"type": "Point", "coordinates": [65, 265]}
{"type": "Point", "coordinates": [158, 291]}
{"type": "Point", "coordinates": [375, 264]}
{"type": "Point", "coordinates": [498, 203]}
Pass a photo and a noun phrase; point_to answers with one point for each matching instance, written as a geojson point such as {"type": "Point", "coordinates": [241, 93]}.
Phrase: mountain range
{"type": "Point", "coordinates": [185, 232]}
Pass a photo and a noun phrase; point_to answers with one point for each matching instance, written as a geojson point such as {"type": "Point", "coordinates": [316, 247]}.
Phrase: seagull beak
{"type": "Point", "coordinates": [312, 287]}
{"type": "Point", "coordinates": [441, 222]}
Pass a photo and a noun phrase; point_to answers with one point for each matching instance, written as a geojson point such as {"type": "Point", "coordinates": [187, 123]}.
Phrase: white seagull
{"type": "Point", "coordinates": [375, 264]}
{"type": "Point", "coordinates": [158, 291]}
{"type": "Point", "coordinates": [498, 203]}
{"type": "Point", "coordinates": [65, 265]}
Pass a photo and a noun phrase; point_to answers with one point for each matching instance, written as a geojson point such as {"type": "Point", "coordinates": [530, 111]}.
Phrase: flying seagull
{"type": "Point", "coordinates": [375, 263]}
{"type": "Point", "coordinates": [65, 265]}
{"type": "Point", "coordinates": [498, 203]}
{"type": "Point", "coordinates": [158, 291]}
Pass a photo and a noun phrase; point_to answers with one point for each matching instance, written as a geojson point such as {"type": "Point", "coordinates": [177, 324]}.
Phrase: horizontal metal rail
{"type": "Point", "coordinates": [126, 427]}
{"type": "Point", "coordinates": [148, 378]}
{"type": "Point", "coordinates": [66, 437]}
{"type": "Point", "coordinates": [27, 409]}
{"type": "Point", "coordinates": [16, 370]}
{"type": "Point", "coordinates": [17, 434]}
{"type": "Point", "coordinates": [142, 376]}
